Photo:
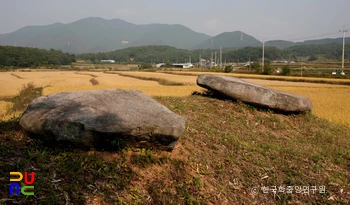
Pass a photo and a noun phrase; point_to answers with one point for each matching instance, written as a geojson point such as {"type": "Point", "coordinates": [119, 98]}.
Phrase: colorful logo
{"type": "Point", "coordinates": [25, 190]}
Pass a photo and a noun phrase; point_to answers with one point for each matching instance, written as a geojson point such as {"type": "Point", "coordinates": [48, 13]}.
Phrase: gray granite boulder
{"type": "Point", "coordinates": [92, 118]}
{"type": "Point", "coordinates": [255, 94]}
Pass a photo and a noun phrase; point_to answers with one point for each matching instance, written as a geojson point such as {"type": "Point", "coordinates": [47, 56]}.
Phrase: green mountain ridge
{"type": "Point", "coordinates": [235, 39]}
{"type": "Point", "coordinates": [95, 34]}
{"type": "Point", "coordinates": [281, 44]}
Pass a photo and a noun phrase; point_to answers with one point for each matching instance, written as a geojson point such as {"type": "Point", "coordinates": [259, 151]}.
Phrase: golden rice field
{"type": "Point", "coordinates": [195, 73]}
{"type": "Point", "coordinates": [186, 80]}
{"type": "Point", "coordinates": [4, 106]}
{"type": "Point", "coordinates": [330, 101]}
{"type": "Point", "coordinates": [60, 81]}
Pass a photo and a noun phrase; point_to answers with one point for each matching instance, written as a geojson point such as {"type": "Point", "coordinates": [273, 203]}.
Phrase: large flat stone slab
{"type": "Point", "coordinates": [92, 118]}
{"type": "Point", "coordinates": [255, 94]}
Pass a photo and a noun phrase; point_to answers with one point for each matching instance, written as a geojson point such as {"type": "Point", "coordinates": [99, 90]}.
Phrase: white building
{"type": "Point", "coordinates": [107, 61]}
{"type": "Point", "coordinates": [183, 65]}
{"type": "Point", "coordinates": [160, 65]}
{"type": "Point", "coordinates": [280, 61]}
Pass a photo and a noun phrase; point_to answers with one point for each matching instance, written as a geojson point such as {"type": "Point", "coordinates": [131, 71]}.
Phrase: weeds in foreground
{"type": "Point", "coordinates": [26, 95]}
{"type": "Point", "coordinates": [227, 150]}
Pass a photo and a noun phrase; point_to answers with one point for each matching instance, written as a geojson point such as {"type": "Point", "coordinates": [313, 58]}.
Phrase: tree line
{"type": "Point", "coordinates": [33, 57]}
{"type": "Point", "coordinates": [160, 54]}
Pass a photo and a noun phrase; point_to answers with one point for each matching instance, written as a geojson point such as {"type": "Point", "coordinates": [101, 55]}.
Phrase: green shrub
{"type": "Point", "coordinates": [168, 64]}
{"type": "Point", "coordinates": [255, 67]}
{"type": "Point", "coordinates": [312, 58]}
{"type": "Point", "coordinates": [228, 69]}
{"type": "Point", "coordinates": [145, 66]}
{"type": "Point", "coordinates": [267, 69]}
{"type": "Point", "coordinates": [286, 70]}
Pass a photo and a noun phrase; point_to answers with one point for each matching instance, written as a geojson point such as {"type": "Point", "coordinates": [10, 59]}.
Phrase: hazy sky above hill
{"type": "Point", "coordinates": [264, 19]}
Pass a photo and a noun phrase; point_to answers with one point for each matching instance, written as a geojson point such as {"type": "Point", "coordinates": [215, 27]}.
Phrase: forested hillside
{"type": "Point", "coordinates": [158, 54]}
{"type": "Point", "coordinates": [33, 57]}
{"type": "Point", "coordinates": [96, 34]}
{"type": "Point", "coordinates": [236, 39]}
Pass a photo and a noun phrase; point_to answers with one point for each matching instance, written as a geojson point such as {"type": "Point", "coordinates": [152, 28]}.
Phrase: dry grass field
{"type": "Point", "coordinates": [329, 100]}
{"type": "Point", "coordinates": [61, 81]}
{"type": "Point", "coordinates": [101, 66]}
{"type": "Point", "coordinates": [186, 80]}
{"type": "Point", "coordinates": [4, 106]}
{"type": "Point", "coordinates": [225, 156]}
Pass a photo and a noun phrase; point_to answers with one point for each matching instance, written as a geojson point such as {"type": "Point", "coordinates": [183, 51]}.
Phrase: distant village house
{"type": "Point", "coordinates": [107, 61]}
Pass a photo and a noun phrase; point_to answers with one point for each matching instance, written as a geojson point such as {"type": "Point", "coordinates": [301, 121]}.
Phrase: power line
{"type": "Point", "coordinates": [220, 57]}
{"type": "Point", "coordinates": [263, 56]}
{"type": "Point", "coordinates": [215, 58]}
{"type": "Point", "coordinates": [314, 36]}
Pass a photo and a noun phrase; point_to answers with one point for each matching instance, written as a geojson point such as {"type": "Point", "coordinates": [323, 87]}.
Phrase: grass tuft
{"type": "Point", "coordinates": [93, 81]}
{"type": "Point", "coordinates": [26, 95]}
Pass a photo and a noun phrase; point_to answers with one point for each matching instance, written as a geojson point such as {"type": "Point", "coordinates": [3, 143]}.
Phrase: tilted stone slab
{"type": "Point", "coordinates": [255, 94]}
{"type": "Point", "coordinates": [91, 118]}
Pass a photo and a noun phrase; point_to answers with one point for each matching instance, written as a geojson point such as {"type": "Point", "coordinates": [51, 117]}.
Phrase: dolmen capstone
{"type": "Point", "coordinates": [254, 94]}
{"type": "Point", "coordinates": [92, 118]}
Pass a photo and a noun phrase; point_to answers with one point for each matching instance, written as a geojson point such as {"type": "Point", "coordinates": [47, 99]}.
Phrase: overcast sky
{"type": "Point", "coordinates": [263, 19]}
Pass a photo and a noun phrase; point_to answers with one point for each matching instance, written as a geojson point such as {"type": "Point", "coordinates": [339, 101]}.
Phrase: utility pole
{"type": "Point", "coordinates": [190, 59]}
{"type": "Point", "coordinates": [211, 60]}
{"type": "Point", "coordinates": [301, 69]}
{"type": "Point", "coordinates": [342, 63]}
{"type": "Point", "coordinates": [263, 56]}
{"type": "Point", "coordinates": [215, 58]}
{"type": "Point", "coordinates": [250, 69]}
{"type": "Point", "coordinates": [200, 60]}
{"type": "Point", "coordinates": [220, 57]}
